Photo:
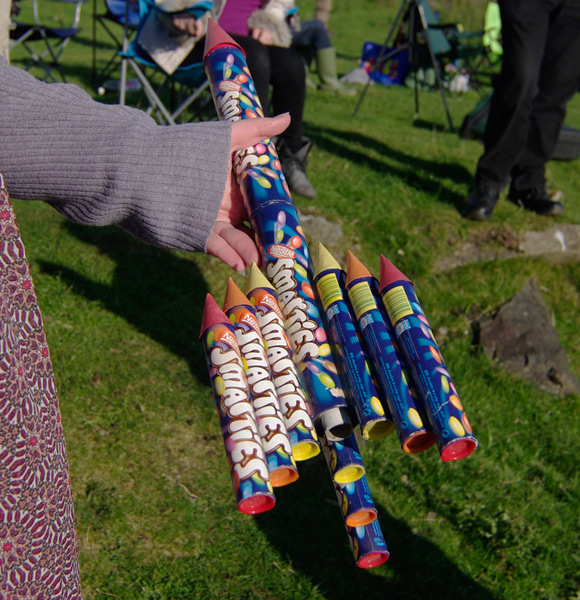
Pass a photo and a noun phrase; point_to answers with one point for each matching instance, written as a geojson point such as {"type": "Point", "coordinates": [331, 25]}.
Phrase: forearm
{"type": "Point", "coordinates": [101, 164]}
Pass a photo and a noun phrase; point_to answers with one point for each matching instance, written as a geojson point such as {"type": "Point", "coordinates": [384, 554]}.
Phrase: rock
{"type": "Point", "coordinates": [559, 244]}
{"type": "Point", "coordinates": [318, 229]}
{"type": "Point", "coordinates": [521, 337]}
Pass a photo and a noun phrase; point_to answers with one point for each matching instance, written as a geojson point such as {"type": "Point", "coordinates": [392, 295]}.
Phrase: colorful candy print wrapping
{"type": "Point", "coordinates": [368, 545]}
{"type": "Point", "coordinates": [329, 279]}
{"type": "Point", "coordinates": [271, 427]}
{"type": "Point", "coordinates": [244, 451]}
{"type": "Point", "coordinates": [280, 237]}
{"type": "Point", "coordinates": [356, 502]}
{"type": "Point", "coordinates": [343, 459]}
{"type": "Point", "coordinates": [412, 428]}
{"type": "Point", "coordinates": [293, 405]}
{"type": "Point", "coordinates": [450, 425]}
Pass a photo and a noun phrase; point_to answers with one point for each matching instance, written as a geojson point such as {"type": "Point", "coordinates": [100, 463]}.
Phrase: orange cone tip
{"type": "Point", "coordinates": [355, 269]}
{"type": "Point", "coordinates": [234, 296]}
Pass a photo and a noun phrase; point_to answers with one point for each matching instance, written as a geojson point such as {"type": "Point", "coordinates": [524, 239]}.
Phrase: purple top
{"type": "Point", "coordinates": [234, 18]}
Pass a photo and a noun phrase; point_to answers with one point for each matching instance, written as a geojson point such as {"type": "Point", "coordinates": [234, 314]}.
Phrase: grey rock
{"type": "Point", "coordinates": [520, 336]}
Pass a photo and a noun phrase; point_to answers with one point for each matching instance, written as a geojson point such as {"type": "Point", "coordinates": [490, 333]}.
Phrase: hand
{"type": "Point", "coordinates": [263, 35]}
{"type": "Point", "coordinates": [231, 240]}
{"type": "Point", "coordinates": [189, 24]}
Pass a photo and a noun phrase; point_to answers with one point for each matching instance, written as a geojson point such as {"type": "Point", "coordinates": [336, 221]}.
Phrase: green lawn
{"type": "Point", "coordinates": [154, 505]}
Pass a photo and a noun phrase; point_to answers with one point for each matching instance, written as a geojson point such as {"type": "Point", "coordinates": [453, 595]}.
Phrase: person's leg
{"type": "Point", "coordinates": [524, 31]}
{"type": "Point", "coordinates": [559, 81]}
{"type": "Point", "coordinates": [288, 95]}
{"type": "Point", "coordinates": [312, 39]}
{"type": "Point", "coordinates": [260, 65]}
{"type": "Point", "coordinates": [311, 33]}
{"type": "Point", "coordinates": [288, 91]}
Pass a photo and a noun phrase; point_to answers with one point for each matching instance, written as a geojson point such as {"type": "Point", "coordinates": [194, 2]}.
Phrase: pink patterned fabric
{"type": "Point", "coordinates": [38, 551]}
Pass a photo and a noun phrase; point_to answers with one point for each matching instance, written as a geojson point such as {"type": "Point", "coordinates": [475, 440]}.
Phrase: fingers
{"type": "Point", "coordinates": [248, 132]}
{"type": "Point", "coordinates": [186, 23]}
{"type": "Point", "coordinates": [232, 246]}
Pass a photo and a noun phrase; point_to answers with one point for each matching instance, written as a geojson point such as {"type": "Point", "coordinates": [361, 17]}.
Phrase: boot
{"type": "Point", "coordinates": [481, 202]}
{"type": "Point", "coordinates": [326, 64]}
{"type": "Point", "coordinates": [294, 167]}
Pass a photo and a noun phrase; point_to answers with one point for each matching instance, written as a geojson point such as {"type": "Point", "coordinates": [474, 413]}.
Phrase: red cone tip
{"type": "Point", "coordinates": [234, 296]}
{"type": "Point", "coordinates": [390, 273]}
{"type": "Point", "coordinates": [212, 314]}
{"type": "Point", "coordinates": [355, 269]}
{"type": "Point", "coordinates": [216, 37]}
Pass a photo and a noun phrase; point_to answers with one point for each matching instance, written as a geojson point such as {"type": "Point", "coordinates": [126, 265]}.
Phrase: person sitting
{"type": "Point", "coordinates": [261, 30]}
{"type": "Point", "coordinates": [311, 39]}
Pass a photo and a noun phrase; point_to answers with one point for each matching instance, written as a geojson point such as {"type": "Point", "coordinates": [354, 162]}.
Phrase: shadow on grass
{"type": "Point", "coordinates": [310, 535]}
{"type": "Point", "coordinates": [159, 293]}
{"type": "Point", "coordinates": [422, 174]}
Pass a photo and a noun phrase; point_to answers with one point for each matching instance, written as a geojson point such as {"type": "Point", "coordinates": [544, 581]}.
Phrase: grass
{"type": "Point", "coordinates": [153, 498]}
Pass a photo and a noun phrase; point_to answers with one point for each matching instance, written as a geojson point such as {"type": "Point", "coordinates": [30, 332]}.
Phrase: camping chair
{"type": "Point", "coordinates": [189, 81]}
{"type": "Point", "coordinates": [120, 21]}
{"type": "Point", "coordinates": [477, 52]}
{"type": "Point", "coordinates": [54, 40]}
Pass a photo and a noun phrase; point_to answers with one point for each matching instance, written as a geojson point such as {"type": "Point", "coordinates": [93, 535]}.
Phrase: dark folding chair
{"type": "Point", "coordinates": [51, 40]}
{"type": "Point", "coordinates": [119, 20]}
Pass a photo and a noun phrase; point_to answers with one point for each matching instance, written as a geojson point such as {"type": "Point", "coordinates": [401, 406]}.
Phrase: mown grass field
{"type": "Point", "coordinates": [154, 506]}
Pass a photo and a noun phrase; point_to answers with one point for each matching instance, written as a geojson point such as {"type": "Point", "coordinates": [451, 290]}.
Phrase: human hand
{"type": "Point", "coordinates": [188, 23]}
{"type": "Point", "coordinates": [231, 240]}
{"type": "Point", "coordinates": [263, 35]}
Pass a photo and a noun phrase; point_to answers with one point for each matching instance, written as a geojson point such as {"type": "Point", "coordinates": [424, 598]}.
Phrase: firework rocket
{"type": "Point", "coordinates": [329, 279]}
{"type": "Point", "coordinates": [449, 423]}
{"type": "Point", "coordinates": [271, 428]}
{"type": "Point", "coordinates": [274, 218]}
{"type": "Point", "coordinates": [244, 451]}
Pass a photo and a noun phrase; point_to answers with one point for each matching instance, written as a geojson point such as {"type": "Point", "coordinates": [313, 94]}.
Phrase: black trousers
{"type": "Point", "coordinates": [280, 68]}
{"type": "Point", "coordinates": [540, 73]}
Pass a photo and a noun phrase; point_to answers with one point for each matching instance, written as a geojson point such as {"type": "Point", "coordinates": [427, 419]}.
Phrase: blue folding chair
{"type": "Point", "coordinates": [52, 40]}
{"type": "Point", "coordinates": [189, 81]}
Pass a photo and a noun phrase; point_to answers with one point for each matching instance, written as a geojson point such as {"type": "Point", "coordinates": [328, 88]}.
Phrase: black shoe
{"type": "Point", "coordinates": [537, 201]}
{"type": "Point", "coordinates": [294, 168]}
{"type": "Point", "coordinates": [481, 202]}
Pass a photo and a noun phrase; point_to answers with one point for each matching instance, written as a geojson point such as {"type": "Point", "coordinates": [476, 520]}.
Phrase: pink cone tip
{"type": "Point", "coordinates": [390, 273]}
{"type": "Point", "coordinates": [216, 37]}
{"type": "Point", "coordinates": [212, 314]}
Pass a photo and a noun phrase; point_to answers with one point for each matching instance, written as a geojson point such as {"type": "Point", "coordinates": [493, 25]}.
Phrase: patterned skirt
{"type": "Point", "coordinates": [38, 549]}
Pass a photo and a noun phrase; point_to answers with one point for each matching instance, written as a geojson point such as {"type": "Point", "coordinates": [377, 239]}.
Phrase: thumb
{"type": "Point", "coordinates": [248, 132]}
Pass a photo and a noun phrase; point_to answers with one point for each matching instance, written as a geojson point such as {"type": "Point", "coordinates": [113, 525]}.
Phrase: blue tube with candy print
{"type": "Point", "coordinates": [285, 255]}
{"type": "Point", "coordinates": [343, 458]}
{"type": "Point", "coordinates": [295, 410]}
{"type": "Point", "coordinates": [244, 450]}
{"type": "Point", "coordinates": [356, 502]}
{"type": "Point", "coordinates": [449, 423]}
{"type": "Point", "coordinates": [412, 428]}
{"type": "Point", "coordinates": [329, 279]}
{"type": "Point", "coordinates": [368, 545]}
{"type": "Point", "coordinates": [271, 427]}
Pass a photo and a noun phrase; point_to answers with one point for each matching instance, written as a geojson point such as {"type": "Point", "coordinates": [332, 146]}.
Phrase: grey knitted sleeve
{"type": "Point", "coordinates": [106, 164]}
